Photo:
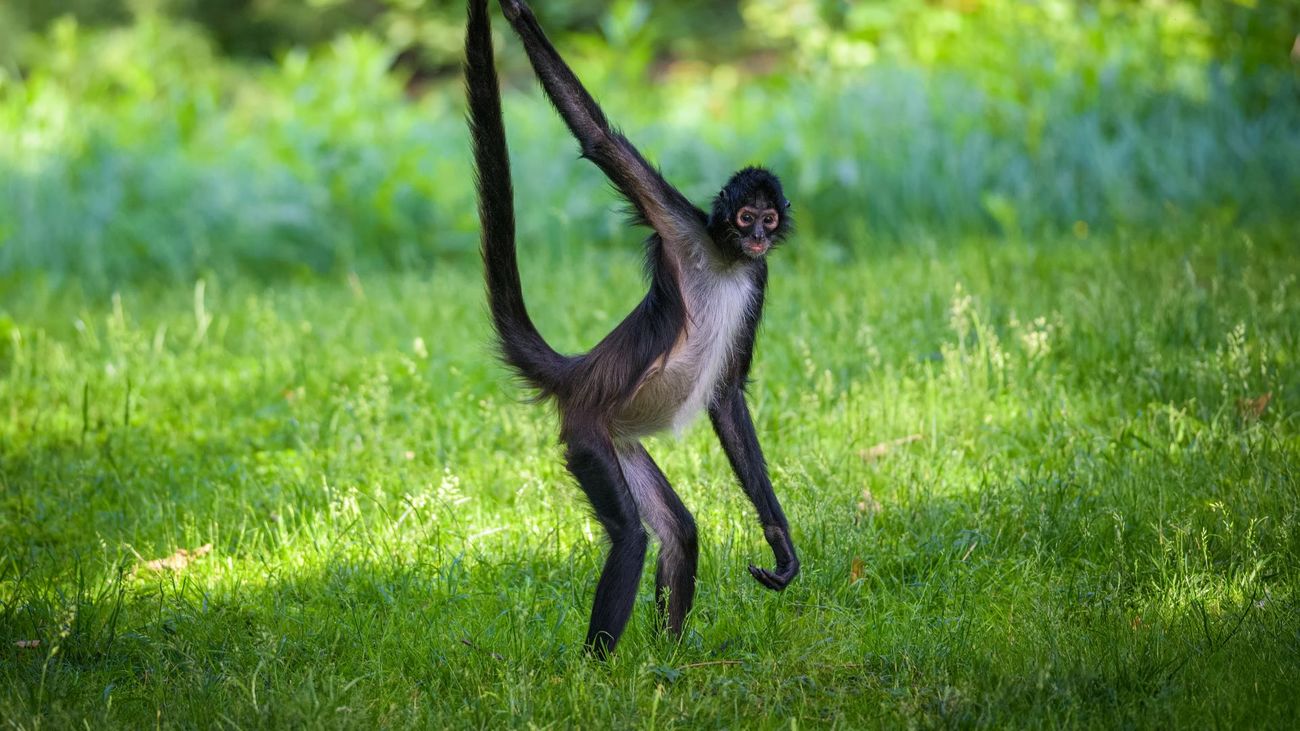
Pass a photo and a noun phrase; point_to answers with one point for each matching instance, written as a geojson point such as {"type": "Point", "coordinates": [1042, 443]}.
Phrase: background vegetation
{"type": "Point", "coordinates": [1027, 382]}
{"type": "Point", "coordinates": [141, 150]}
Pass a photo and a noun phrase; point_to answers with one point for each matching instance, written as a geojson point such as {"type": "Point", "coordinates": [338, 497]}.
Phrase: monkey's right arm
{"type": "Point", "coordinates": [661, 205]}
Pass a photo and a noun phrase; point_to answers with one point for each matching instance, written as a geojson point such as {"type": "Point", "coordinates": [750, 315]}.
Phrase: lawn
{"type": "Point", "coordinates": [1034, 481]}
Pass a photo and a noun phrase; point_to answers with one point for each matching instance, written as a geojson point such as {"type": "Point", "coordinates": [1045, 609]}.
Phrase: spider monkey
{"type": "Point", "coordinates": [686, 347]}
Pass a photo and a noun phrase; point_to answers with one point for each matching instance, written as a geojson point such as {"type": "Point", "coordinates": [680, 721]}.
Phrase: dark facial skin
{"type": "Point", "coordinates": [756, 225]}
{"type": "Point", "coordinates": [751, 215]}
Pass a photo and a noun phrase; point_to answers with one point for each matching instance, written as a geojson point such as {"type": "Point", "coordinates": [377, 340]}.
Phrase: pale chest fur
{"type": "Point", "coordinates": [681, 384]}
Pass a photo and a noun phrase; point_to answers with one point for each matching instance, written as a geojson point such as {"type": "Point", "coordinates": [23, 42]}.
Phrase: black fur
{"type": "Point", "coordinates": [591, 390]}
{"type": "Point", "coordinates": [521, 346]}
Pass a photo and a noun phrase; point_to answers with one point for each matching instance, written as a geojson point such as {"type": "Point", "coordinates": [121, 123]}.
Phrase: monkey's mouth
{"type": "Point", "coordinates": [756, 248]}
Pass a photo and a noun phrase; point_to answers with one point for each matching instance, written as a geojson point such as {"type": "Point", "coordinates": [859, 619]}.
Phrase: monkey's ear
{"type": "Point", "coordinates": [724, 197]}
{"type": "Point", "coordinates": [785, 204]}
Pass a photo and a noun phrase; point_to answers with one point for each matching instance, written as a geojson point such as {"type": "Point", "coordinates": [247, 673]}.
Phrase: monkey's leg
{"type": "Point", "coordinates": [735, 429]}
{"type": "Point", "coordinates": [591, 459]}
{"type": "Point", "coordinates": [672, 523]}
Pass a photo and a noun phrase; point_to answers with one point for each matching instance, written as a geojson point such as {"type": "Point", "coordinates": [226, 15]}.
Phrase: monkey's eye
{"type": "Point", "coordinates": [746, 218]}
{"type": "Point", "coordinates": [769, 221]}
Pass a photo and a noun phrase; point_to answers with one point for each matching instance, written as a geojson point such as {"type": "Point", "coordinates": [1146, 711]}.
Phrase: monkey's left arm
{"type": "Point", "coordinates": [735, 429]}
{"type": "Point", "coordinates": [659, 204]}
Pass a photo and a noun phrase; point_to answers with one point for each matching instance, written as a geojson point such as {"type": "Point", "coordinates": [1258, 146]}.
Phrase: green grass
{"type": "Point", "coordinates": [1094, 529]}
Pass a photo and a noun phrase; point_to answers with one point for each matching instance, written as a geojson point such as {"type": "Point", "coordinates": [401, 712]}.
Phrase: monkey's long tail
{"type": "Point", "coordinates": [521, 346]}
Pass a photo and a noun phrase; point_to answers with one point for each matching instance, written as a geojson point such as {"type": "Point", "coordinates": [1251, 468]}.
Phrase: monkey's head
{"type": "Point", "coordinates": [750, 214]}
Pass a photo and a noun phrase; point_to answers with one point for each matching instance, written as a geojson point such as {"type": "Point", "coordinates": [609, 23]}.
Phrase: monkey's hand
{"type": "Point", "coordinates": [787, 563]}
{"type": "Point", "coordinates": [512, 9]}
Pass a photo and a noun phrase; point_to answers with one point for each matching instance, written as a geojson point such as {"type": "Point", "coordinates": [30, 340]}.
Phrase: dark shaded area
{"type": "Point", "coordinates": [262, 29]}
{"type": "Point", "coordinates": [1252, 34]}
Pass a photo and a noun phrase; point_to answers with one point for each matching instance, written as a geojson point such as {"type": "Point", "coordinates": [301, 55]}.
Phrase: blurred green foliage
{"type": "Point", "coordinates": [140, 140]}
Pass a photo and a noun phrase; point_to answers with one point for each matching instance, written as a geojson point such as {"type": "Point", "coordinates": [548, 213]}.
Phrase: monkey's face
{"type": "Point", "coordinates": [756, 224]}
{"type": "Point", "coordinates": [750, 215]}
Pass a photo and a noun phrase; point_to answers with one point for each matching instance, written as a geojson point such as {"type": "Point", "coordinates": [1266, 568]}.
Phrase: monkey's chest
{"type": "Point", "coordinates": [682, 383]}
